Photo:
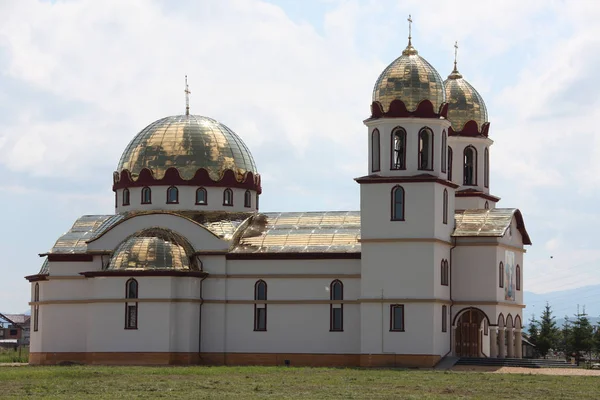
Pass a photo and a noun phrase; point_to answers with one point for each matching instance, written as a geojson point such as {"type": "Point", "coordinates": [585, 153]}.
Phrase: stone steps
{"type": "Point", "coordinates": [514, 362]}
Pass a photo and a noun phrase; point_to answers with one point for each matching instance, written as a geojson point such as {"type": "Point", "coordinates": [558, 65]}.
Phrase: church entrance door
{"type": "Point", "coordinates": [468, 334]}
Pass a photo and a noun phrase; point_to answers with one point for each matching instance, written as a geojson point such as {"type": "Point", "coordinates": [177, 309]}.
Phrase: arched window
{"type": "Point", "coordinates": [201, 197]}
{"type": "Point", "coordinates": [444, 318]}
{"type": "Point", "coordinates": [260, 310]}
{"type": "Point", "coordinates": [336, 311]}
{"type": "Point", "coordinates": [257, 201]}
{"type": "Point", "coordinates": [375, 152]}
{"type": "Point", "coordinates": [518, 277]}
{"type": "Point", "coordinates": [247, 199]}
{"type": "Point", "coordinates": [501, 274]}
{"type": "Point", "coordinates": [398, 155]}
{"type": "Point", "coordinates": [146, 195]}
{"type": "Point", "coordinates": [470, 166]}
{"type": "Point", "coordinates": [227, 197]}
{"type": "Point", "coordinates": [486, 205]}
{"type": "Point", "coordinates": [444, 151]}
{"type": "Point", "coordinates": [36, 307]}
{"type": "Point", "coordinates": [125, 197]}
{"type": "Point", "coordinates": [450, 157]}
{"type": "Point", "coordinates": [445, 205]}
{"type": "Point", "coordinates": [131, 307]}
{"type": "Point", "coordinates": [485, 326]}
{"type": "Point", "coordinates": [398, 203]}
{"type": "Point", "coordinates": [486, 168]}
{"type": "Point", "coordinates": [172, 195]}
{"type": "Point", "coordinates": [426, 149]}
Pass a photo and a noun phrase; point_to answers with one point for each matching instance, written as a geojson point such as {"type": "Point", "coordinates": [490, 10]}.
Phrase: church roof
{"type": "Point", "coordinates": [488, 223]}
{"type": "Point", "coordinates": [288, 232]}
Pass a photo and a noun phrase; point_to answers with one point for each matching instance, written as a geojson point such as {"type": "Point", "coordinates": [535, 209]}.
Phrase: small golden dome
{"type": "Point", "coordinates": [464, 102]}
{"type": "Point", "coordinates": [187, 143]}
{"type": "Point", "coordinates": [409, 78]}
{"type": "Point", "coordinates": [153, 249]}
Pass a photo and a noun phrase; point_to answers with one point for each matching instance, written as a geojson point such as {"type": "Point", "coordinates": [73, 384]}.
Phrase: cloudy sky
{"type": "Point", "coordinates": [78, 79]}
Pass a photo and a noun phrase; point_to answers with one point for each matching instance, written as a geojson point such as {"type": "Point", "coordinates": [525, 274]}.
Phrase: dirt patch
{"type": "Point", "coordinates": [527, 371]}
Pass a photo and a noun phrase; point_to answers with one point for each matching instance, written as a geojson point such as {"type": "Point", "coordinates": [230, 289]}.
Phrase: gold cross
{"type": "Point", "coordinates": [409, 26]}
{"type": "Point", "coordinates": [187, 97]}
{"type": "Point", "coordinates": [455, 52]}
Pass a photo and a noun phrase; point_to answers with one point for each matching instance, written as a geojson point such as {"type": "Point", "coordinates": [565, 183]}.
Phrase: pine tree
{"type": "Point", "coordinates": [565, 334]}
{"type": "Point", "coordinates": [581, 337]}
{"type": "Point", "coordinates": [548, 332]}
{"type": "Point", "coordinates": [532, 330]}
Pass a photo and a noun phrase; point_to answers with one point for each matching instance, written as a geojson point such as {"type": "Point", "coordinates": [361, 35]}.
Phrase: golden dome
{"type": "Point", "coordinates": [188, 143]}
{"type": "Point", "coordinates": [153, 249]}
{"type": "Point", "coordinates": [464, 102]}
{"type": "Point", "coordinates": [409, 78]}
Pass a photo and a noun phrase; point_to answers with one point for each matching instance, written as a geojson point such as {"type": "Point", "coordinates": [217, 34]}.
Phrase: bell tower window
{"type": "Point", "coordinates": [172, 195]}
{"type": "Point", "coordinates": [486, 168]}
{"type": "Point", "coordinates": [450, 157]}
{"type": "Point", "coordinates": [146, 196]}
{"type": "Point", "coordinates": [375, 152]}
{"type": "Point", "coordinates": [470, 166]}
{"type": "Point", "coordinates": [398, 149]}
{"type": "Point", "coordinates": [444, 152]}
{"type": "Point", "coordinates": [398, 203]}
{"type": "Point", "coordinates": [426, 150]}
{"type": "Point", "coordinates": [227, 197]}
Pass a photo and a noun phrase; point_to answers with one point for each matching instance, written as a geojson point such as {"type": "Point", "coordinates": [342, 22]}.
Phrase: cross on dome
{"type": "Point", "coordinates": [187, 97]}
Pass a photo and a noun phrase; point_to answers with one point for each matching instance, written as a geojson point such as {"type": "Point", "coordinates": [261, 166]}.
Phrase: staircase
{"type": "Point", "coordinates": [514, 362]}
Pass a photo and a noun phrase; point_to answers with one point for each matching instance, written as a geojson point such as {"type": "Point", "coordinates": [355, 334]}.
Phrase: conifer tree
{"type": "Point", "coordinates": [581, 337]}
{"type": "Point", "coordinates": [548, 337]}
{"type": "Point", "coordinates": [532, 330]}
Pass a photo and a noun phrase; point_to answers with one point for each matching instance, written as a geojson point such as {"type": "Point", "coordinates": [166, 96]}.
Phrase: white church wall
{"type": "Point", "coordinates": [73, 268]}
{"type": "Point", "coordinates": [65, 289]}
{"type": "Point", "coordinates": [198, 236]}
{"type": "Point", "coordinates": [473, 202]}
{"type": "Point", "coordinates": [184, 327]}
{"type": "Point", "coordinates": [187, 199]}
{"type": "Point", "coordinates": [441, 340]}
{"type": "Point", "coordinates": [474, 272]}
{"type": "Point", "coordinates": [295, 267]}
{"type": "Point", "coordinates": [61, 328]}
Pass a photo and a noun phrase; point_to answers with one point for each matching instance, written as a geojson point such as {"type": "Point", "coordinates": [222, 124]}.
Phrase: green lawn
{"type": "Point", "coordinates": [241, 383]}
{"type": "Point", "coordinates": [8, 355]}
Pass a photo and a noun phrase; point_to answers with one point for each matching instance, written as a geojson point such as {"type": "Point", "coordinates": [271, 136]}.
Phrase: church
{"type": "Point", "coordinates": [189, 270]}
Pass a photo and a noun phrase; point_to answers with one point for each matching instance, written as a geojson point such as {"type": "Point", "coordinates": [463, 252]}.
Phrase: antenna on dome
{"type": "Point", "coordinates": [409, 29]}
{"type": "Point", "coordinates": [187, 97]}
{"type": "Point", "coordinates": [455, 54]}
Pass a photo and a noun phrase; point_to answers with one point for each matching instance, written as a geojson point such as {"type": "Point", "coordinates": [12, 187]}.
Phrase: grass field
{"type": "Point", "coordinates": [11, 356]}
{"type": "Point", "coordinates": [241, 383]}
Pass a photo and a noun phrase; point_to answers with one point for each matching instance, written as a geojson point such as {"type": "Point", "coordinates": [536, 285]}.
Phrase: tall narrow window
{"type": "Point", "coordinates": [470, 166]}
{"type": "Point", "coordinates": [201, 197]}
{"type": "Point", "coordinates": [485, 327]}
{"type": "Point", "coordinates": [445, 205]}
{"type": "Point", "coordinates": [36, 307]}
{"type": "Point", "coordinates": [518, 277]}
{"type": "Point", "coordinates": [397, 317]}
{"type": "Point", "coordinates": [445, 273]}
{"type": "Point", "coordinates": [486, 205]}
{"type": "Point", "coordinates": [257, 201]}
{"type": "Point", "coordinates": [227, 197]}
{"type": "Point", "coordinates": [398, 155]}
{"type": "Point", "coordinates": [398, 203]}
{"type": "Point", "coordinates": [260, 309]}
{"type": "Point", "coordinates": [172, 195]}
{"type": "Point", "coordinates": [146, 195]}
{"type": "Point", "coordinates": [486, 168]}
{"type": "Point", "coordinates": [247, 199]}
{"type": "Point", "coordinates": [131, 307]}
{"type": "Point", "coordinates": [444, 151]}
{"type": "Point", "coordinates": [501, 275]}
{"type": "Point", "coordinates": [426, 149]}
{"type": "Point", "coordinates": [444, 318]}
{"type": "Point", "coordinates": [450, 157]}
{"type": "Point", "coordinates": [125, 197]}
{"type": "Point", "coordinates": [336, 311]}
{"type": "Point", "coordinates": [375, 152]}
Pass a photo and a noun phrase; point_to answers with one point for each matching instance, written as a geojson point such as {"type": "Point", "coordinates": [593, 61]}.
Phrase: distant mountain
{"type": "Point", "coordinates": [564, 303]}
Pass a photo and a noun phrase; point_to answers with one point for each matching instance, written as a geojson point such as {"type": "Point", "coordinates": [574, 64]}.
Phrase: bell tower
{"type": "Point", "coordinates": [407, 218]}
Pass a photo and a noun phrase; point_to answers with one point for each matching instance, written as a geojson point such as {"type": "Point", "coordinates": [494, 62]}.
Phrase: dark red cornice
{"type": "Point", "coordinates": [398, 110]}
{"type": "Point", "coordinates": [476, 193]}
{"type": "Point", "coordinates": [37, 277]}
{"type": "Point", "coordinates": [172, 178]}
{"type": "Point", "coordinates": [68, 257]}
{"type": "Point", "coordinates": [193, 274]}
{"type": "Point", "coordinates": [292, 256]}
{"type": "Point", "coordinates": [471, 130]}
{"type": "Point", "coordinates": [404, 179]}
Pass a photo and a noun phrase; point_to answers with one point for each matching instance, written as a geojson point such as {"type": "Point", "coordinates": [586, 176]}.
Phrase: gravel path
{"type": "Point", "coordinates": [529, 371]}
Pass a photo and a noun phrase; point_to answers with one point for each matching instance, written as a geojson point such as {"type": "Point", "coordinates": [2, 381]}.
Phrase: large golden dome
{"type": "Point", "coordinates": [153, 249]}
{"type": "Point", "coordinates": [409, 78]}
{"type": "Point", "coordinates": [464, 102]}
{"type": "Point", "coordinates": [187, 143]}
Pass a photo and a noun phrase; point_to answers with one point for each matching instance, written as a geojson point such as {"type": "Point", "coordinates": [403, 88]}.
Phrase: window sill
{"type": "Point", "coordinates": [124, 205]}
{"type": "Point", "coordinates": [201, 204]}
{"type": "Point", "coordinates": [336, 330]}
{"type": "Point", "coordinates": [227, 205]}
{"type": "Point", "coordinates": [260, 330]}
{"type": "Point", "coordinates": [172, 202]}
{"type": "Point", "coordinates": [397, 330]}
{"type": "Point", "coordinates": [400, 220]}
{"type": "Point", "coordinates": [131, 329]}
{"type": "Point", "coordinates": [146, 203]}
